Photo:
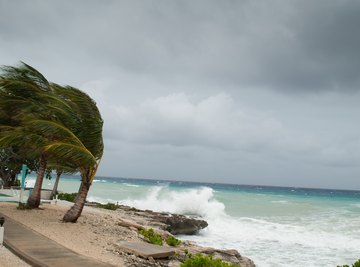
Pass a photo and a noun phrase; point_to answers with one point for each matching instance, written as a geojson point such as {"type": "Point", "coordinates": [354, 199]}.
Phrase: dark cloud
{"type": "Point", "coordinates": [229, 84]}
{"type": "Point", "coordinates": [292, 45]}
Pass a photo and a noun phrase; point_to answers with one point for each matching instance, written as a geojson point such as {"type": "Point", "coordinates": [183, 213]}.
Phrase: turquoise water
{"type": "Point", "coordinates": [274, 226]}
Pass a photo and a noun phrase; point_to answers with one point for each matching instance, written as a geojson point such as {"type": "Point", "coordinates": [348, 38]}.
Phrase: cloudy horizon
{"type": "Point", "coordinates": [246, 92]}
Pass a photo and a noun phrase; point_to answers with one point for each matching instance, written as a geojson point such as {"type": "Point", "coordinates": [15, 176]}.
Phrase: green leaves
{"type": "Point", "coordinates": [61, 122]}
{"type": "Point", "coordinates": [74, 153]}
{"type": "Point", "coordinates": [151, 236]}
{"type": "Point", "coordinates": [200, 260]}
{"type": "Point", "coordinates": [173, 241]}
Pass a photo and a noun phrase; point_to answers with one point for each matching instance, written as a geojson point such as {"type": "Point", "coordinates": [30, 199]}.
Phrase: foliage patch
{"type": "Point", "coordinates": [108, 206]}
{"type": "Point", "coordinates": [200, 260]}
{"type": "Point", "coordinates": [23, 206]}
{"type": "Point", "coordinates": [172, 241]}
{"type": "Point", "coordinates": [67, 196]}
{"type": "Point", "coordinates": [356, 264]}
{"type": "Point", "coordinates": [151, 236]}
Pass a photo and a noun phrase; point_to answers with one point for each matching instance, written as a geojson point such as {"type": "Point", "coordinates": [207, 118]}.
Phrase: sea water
{"type": "Point", "coordinates": [274, 226]}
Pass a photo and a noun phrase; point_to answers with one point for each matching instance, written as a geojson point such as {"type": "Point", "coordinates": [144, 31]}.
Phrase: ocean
{"type": "Point", "coordinates": [274, 226]}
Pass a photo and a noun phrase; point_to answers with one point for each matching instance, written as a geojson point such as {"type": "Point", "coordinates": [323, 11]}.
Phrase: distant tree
{"type": "Point", "coordinates": [56, 184]}
{"type": "Point", "coordinates": [11, 165]}
{"type": "Point", "coordinates": [61, 167]}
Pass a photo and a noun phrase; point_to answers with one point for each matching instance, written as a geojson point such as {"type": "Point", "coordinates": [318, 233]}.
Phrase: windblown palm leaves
{"type": "Point", "coordinates": [61, 125]}
{"type": "Point", "coordinates": [23, 98]}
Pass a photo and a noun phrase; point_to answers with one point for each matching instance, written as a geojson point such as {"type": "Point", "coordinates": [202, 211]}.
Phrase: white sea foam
{"type": "Point", "coordinates": [276, 244]}
{"type": "Point", "coordinates": [198, 201]}
{"type": "Point", "coordinates": [101, 200]}
{"type": "Point", "coordinates": [311, 236]}
{"type": "Point", "coordinates": [316, 240]}
{"type": "Point", "coordinates": [283, 244]}
{"type": "Point", "coordinates": [280, 201]}
{"type": "Point", "coordinates": [99, 181]}
{"type": "Point", "coordinates": [131, 185]}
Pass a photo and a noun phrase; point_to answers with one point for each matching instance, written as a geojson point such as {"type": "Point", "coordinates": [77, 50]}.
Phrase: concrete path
{"type": "Point", "coordinates": [40, 251]}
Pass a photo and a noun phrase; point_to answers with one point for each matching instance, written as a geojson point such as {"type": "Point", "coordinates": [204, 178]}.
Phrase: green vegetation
{"type": "Point", "coordinates": [156, 239]}
{"type": "Point", "coordinates": [356, 264]}
{"type": "Point", "coordinates": [134, 209]}
{"type": "Point", "coordinates": [151, 236]}
{"type": "Point", "coordinates": [108, 206]}
{"type": "Point", "coordinates": [48, 127]}
{"type": "Point", "coordinates": [67, 196]}
{"type": "Point", "coordinates": [172, 241]}
{"type": "Point", "coordinates": [200, 260]}
{"type": "Point", "coordinates": [23, 206]}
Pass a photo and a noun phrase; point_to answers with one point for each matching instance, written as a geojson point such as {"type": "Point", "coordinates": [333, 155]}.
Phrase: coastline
{"type": "Point", "coordinates": [98, 231]}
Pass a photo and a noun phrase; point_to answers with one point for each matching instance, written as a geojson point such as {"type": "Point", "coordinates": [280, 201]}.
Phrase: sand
{"type": "Point", "coordinates": [93, 235]}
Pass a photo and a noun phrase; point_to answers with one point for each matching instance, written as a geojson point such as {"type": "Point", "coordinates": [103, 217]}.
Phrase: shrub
{"type": "Point", "coordinates": [200, 260]}
{"type": "Point", "coordinates": [23, 206]}
{"type": "Point", "coordinates": [108, 206]}
{"type": "Point", "coordinates": [172, 241]}
{"type": "Point", "coordinates": [151, 236]}
{"type": "Point", "coordinates": [67, 196]}
{"type": "Point", "coordinates": [356, 264]}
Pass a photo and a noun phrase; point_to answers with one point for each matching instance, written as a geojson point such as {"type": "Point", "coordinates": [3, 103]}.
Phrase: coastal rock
{"type": "Point", "coordinates": [164, 224]}
{"type": "Point", "coordinates": [173, 223]}
{"type": "Point", "coordinates": [229, 256]}
{"type": "Point", "coordinates": [181, 225]}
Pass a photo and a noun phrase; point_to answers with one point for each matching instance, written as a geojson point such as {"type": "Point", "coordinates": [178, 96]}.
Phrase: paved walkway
{"type": "Point", "coordinates": [40, 251]}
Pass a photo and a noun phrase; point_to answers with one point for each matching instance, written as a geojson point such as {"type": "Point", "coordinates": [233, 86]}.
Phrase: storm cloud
{"type": "Point", "coordinates": [255, 92]}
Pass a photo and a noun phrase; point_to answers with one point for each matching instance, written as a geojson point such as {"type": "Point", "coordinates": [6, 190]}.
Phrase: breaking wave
{"type": "Point", "coordinates": [197, 202]}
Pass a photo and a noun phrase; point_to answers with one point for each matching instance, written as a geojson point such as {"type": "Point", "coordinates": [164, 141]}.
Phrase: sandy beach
{"type": "Point", "coordinates": [94, 235]}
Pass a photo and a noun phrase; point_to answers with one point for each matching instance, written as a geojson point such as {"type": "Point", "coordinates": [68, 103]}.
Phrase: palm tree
{"type": "Point", "coordinates": [59, 124]}
{"type": "Point", "coordinates": [60, 167]}
{"type": "Point", "coordinates": [23, 98]}
{"type": "Point", "coordinates": [87, 125]}
{"type": "Point", "coordinates": [56, 184]}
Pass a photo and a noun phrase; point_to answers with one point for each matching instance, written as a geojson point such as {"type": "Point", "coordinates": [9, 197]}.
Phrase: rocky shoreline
{"type": "Point", "coordinates": [167, 224]}
{"type": "Point", "coordinates": [175, 224]}
{"type": "Point", "coordinates": [98, 232]}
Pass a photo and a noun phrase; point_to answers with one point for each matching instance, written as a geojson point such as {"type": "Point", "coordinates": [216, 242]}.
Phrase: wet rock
{"type": "Point", "coordinates": [174, 223]}
{"type": "Point", "coordinates": [182, 225]}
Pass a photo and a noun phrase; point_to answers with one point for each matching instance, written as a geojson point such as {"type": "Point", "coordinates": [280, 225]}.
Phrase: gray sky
{"type": "Point", "coordinates": [249, 92]}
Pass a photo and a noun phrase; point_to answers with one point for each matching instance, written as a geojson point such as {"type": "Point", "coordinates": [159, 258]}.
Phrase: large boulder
{"type": "Point", "coordinates": [174, 223]}
{"type": "Point", "coordinates": [182, 225]}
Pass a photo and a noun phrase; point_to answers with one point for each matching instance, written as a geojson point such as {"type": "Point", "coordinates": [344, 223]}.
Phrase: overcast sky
{"type": "Point", "coordinates": [247, 92]}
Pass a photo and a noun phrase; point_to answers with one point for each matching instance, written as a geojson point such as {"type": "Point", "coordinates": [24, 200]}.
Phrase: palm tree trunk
{"type": "Point", "coordinates": [53, 192]}
{"type": "Point", "coordinates": [75, 211]}
{"type": "Point", "coordinates": [34, 199]}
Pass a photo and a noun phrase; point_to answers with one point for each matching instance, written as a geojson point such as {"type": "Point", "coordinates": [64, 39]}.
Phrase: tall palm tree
{"type": "Point", "coordinates": [57, 123]}
{"type": "Point", "coordinates": [24, 96]}
{"type": "Point", "coordinates": [87, 125]}
{"type": "Point", "coordinates": [60, 167]}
